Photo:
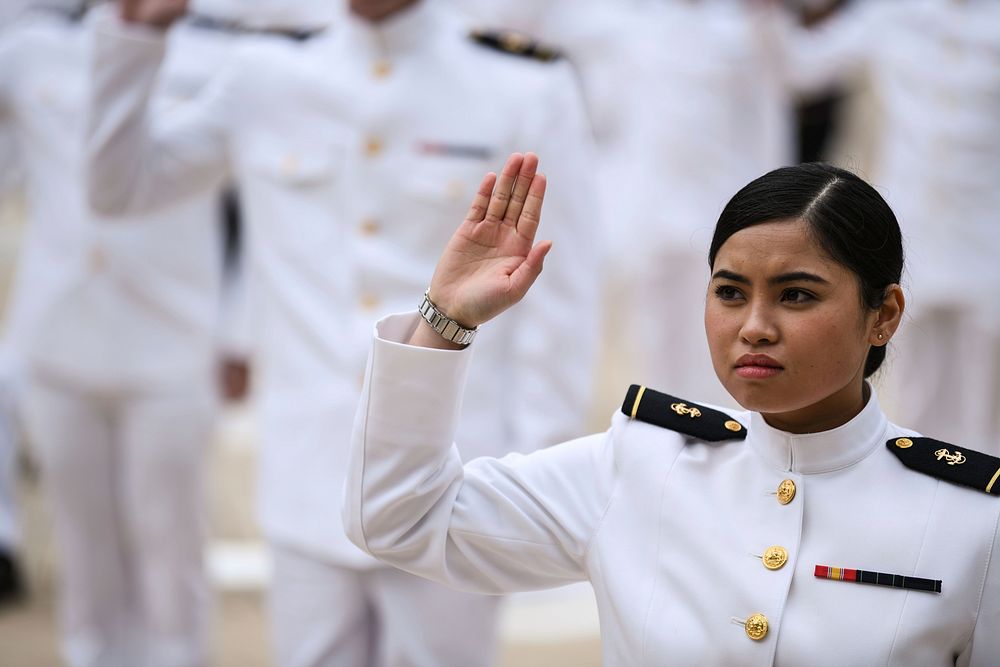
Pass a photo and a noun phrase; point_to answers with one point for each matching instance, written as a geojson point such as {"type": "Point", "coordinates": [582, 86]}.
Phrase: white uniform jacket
{"type": "Point", "coordinates": [670, 529]}
{"type": "Point", "coordinates": [356, 154]}
{"type": "Point", "coordinates": [101, 304]}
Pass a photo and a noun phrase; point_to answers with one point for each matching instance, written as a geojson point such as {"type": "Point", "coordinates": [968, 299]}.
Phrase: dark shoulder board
{"type": "Point", "coordinates": [679, 415]}
{"type": "Point", "coordinates": [957, 465]}
{"type": "Point", "coordinates": [515, 43]}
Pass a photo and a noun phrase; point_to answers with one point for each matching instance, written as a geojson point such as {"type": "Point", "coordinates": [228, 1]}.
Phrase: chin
{"type": "Point", "coordinates": [757, 396]}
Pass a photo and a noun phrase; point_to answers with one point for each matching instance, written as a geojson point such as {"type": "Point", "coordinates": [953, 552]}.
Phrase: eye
{"type": "Point", "coordinates": [728, 293]}
{"type": "Point", "coordinates": [796, 295]}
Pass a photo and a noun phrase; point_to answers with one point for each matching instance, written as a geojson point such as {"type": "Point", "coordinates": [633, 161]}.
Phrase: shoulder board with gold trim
{"type": "Point", "coordinates": [676, 414]}
{"type": "Point", "coordinates": [515, 43]}
{"type": "Point", "coordinates": [957, 465]}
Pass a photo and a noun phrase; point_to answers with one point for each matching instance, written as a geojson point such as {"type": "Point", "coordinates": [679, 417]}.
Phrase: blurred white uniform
{"type": "Point", "coordinates": [115, 323]}
{"type": "Point", "coordinates": [935, 67]}
{"type": "Point", "coordinates": [356, 154]}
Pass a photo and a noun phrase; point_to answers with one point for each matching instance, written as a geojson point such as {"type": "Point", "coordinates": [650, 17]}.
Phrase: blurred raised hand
{"type": "Point", "coordinates": [153, 13]}
{"type": "Point", "coordinates": [492, 259]}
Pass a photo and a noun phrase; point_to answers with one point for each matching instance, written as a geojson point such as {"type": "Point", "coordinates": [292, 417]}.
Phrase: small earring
{"type": "Point", "coordinates": [880, 336]}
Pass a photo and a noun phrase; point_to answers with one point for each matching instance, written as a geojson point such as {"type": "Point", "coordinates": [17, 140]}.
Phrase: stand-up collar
{"type": "Point", "coordinates": [820, 452]}
{"type": "Point", "coordinates": [400, 32]}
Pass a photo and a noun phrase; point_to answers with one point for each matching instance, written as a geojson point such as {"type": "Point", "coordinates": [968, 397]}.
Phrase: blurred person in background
{"type": "Point", "coordinates": [114, 326]}
{"type": "Point", "coordinates": [709, 114]}
{"type": "Point", "coordinates": [935, 69]}
{"type": "Point", "coordinates": [352, 152]}
{"type": "Point", "coordinates": [12, 578]}
{"type": "Point", "coordinates": [687, 105]}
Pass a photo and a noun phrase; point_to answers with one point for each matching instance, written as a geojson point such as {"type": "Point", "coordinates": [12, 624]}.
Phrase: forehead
{"type": "Point", "coordinates": [773, 247]}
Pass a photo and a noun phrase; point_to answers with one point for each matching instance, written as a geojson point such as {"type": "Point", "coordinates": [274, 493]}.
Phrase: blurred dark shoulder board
{"type": "Point", "coordinates": [515, 43]}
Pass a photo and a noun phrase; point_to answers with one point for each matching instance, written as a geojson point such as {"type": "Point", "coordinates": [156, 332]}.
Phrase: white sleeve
{"type": "Point", "coordinates": [556, 327]}
{"type": "Point", "coordinates": [138, 162]}
{"type": "Point", "coordinates": [494, 526]}
{"type": "Point", "coordinates": [984, 646]}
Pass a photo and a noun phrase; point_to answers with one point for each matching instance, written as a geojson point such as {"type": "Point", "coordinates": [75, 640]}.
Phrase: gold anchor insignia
{"type": "Point", "coordinates": [682, 409]}
{"type": "Point", "coordinates": [956, 459]}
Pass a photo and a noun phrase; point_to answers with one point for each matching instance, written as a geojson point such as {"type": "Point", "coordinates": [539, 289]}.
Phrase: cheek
{"type": "Point", "coordinates": [829, 346]}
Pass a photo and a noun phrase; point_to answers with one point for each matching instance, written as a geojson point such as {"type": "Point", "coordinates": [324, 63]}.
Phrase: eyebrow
{"type": "Point", "coordinates": [792, 277]}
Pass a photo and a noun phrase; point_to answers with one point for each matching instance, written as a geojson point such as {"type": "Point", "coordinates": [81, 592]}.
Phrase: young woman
{"type": "Point", "coordinates": [806, 530]}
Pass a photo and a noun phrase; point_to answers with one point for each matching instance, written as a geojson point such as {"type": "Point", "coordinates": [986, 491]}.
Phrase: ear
{"type": "Point", "coordinates": [890, 314]}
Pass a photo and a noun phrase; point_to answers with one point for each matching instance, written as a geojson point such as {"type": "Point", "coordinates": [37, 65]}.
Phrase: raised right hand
{"type": "Point", "coordinates": [491, 260]}
{"type": "Point", "coordinates": [153, 13]}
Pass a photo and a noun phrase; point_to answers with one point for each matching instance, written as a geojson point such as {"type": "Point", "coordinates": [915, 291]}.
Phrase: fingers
{"type": "Point", "coordinates": [505, 185]}
{"type": "Point", "coordinates": [477, 211]}
{"type": "Point", "coordinates": [525, 275]}
{"type": "Point", "coordinates": [531, 214]}
{"type": "Point", "coordinates": [517, 198]}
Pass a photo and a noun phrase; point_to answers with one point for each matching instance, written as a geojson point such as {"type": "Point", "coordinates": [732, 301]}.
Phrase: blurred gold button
{"type": "Point", "coordinates": [904, 443]}
{"type": "Point", "coordinates": [373, 146]}
{"type": "Point", "coordinates": [786, 491]}
{"type": "Point", "coordinates": [369, 301]}
{"type": "Point", "coordinates": [775, 558]}
{"type": "Point", "coordinates": [756, 627]}
{"type": "Point", "coordinates": [381, 69]}
{"type": "Point", "coordinates": [456, 190]}
{"type": "Point", "coordinates": [734, 426]}
{"type": "Point", "coordinates": [369, 227]}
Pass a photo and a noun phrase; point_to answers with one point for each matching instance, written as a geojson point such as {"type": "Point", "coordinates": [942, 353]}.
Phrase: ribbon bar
{"type": "Point", "coordinates": [878, 578]}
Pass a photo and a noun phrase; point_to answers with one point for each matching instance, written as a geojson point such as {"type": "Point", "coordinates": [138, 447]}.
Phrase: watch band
{"type": "Point", "coordinates": [448, 328]}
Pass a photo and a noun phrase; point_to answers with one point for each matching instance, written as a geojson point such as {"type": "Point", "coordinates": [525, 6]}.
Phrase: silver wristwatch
{"type": "Point", "coordinates": [444, 325]}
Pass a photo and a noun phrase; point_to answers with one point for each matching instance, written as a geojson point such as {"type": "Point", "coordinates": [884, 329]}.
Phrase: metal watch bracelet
{"type": "Point", "coordinates": [448, 328]}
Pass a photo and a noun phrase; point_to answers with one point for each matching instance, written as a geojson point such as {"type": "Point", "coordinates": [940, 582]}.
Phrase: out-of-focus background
{"type": "Point", "coordinates": [684, 101]}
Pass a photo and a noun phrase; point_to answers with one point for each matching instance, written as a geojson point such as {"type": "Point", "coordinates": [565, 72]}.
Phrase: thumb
{"type": "Point", "coordinates": [525, 275]}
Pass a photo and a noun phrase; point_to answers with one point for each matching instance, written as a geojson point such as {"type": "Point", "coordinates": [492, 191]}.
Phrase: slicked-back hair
{"type": "Point", "coordinates": [849, 220]}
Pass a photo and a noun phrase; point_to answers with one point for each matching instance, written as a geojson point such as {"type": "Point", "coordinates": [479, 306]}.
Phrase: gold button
{"type": "Point", "coordinates": [786, 491]}
{"type": "Point", "coordinates": [369, 227]}
{"type": "Point", "coordinates": [756, 627]}
{"type": "Point", "coordinates": [734, 426]}
{"type": "Point", "coordinates": [381, 69]}
{"type": "Point", "coordinates": [369, 301]}
{"type": "Point", "coordinates": [775, 558]}
{"type": "Point", "coordinates": [373, 147]}
{"type": "Point", "coordinates": [904, 443]}
{"type": "Point", "coordinates": [97, 260]}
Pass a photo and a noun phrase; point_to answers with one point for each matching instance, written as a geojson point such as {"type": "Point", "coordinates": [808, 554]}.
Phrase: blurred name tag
{"type": "Point", "coordinates": [466, 151]}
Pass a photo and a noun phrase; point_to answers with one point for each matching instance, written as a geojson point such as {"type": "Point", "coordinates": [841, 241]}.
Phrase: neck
{"type": "Point", "coordinates": [375, 11]}
{"type": "Point", "coordinates": [836, 410]}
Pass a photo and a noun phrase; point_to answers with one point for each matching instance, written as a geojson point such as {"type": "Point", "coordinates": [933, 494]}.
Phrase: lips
{"type": "Point", "coordinates": [757, 367]}
{"type": "Point", "coordinates": [761, 360]}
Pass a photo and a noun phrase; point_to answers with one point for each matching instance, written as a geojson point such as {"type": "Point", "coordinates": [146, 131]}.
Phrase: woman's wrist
{"type": "Point", "coordinates": [425, 336]}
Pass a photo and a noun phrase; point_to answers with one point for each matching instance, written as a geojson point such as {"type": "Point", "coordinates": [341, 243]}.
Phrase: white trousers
{"type": "Point", "coordinates": [323, 615]}
{"type": "Point", "coordinates": [943, 379]}
{"type": "Point", "coordinates": [124, 475]}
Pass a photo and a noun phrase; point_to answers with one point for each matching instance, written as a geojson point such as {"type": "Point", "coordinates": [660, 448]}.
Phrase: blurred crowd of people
{"type": "Point", "coordinates": [344, 140]}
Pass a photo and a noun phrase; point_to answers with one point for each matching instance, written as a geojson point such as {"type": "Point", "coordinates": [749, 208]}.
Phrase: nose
{"type": "Point", "coordinates": [759, 327]}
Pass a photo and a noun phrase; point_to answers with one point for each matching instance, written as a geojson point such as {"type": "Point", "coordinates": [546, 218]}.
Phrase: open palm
{"type": "Point", "coordinates": [492, 260]}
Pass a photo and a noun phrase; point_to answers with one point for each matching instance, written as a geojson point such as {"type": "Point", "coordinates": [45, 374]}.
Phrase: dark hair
{"type": "Point", "coordinates": [849, 219]}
